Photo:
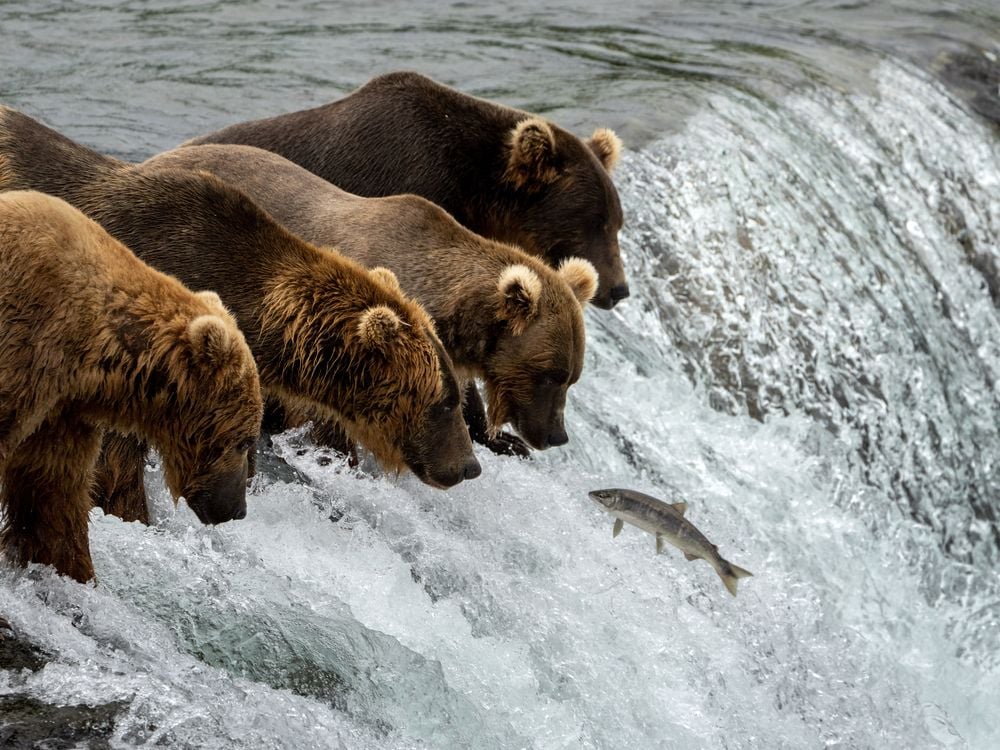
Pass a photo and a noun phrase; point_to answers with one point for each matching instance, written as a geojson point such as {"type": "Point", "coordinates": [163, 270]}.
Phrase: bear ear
{"type": "Point", "coordinates": [520, 290]}
{"type": "Point", "coordinates": [386, 276]}
{"type": "Point", "coordinates": [606, 146]}
{"type": "Point", "coordinates": [532, 158]}
{"type": "Point", "coordinates": [211, 341]}
{"type": "Point", "coordinates": [212, 299]}
{"type": "Point", "coordinates": [581, 277]}
{"type": "Point", "coordinates": [378, 326]}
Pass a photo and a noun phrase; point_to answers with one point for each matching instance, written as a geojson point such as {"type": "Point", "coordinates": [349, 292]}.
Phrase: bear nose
{"type": "Point", "coordinates": [240, 513]}
{"type": "Point", "coordinates": [618, 293]}
{"type": "Point", "coordinates": [472, 469]}
{"type": "Point", "coordinates": [559, 437]}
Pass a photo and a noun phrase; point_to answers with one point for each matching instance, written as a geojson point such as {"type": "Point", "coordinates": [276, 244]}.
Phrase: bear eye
{"type": "Point", "coordinates": [443, 409]}
{"type": "Point", "coordinates": [555, 377]}
{"type": "Point", "coordinates": [245, 445]}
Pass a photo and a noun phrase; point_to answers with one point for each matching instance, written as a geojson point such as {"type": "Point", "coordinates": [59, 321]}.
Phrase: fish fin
{"type": "Point", "coordinates": [617, 528]}
{"type": "Point", "coordinates": [740, 572]}
{"type": "Point", "coordinates": [730, 580]}
{"type": "Point", "coordinates": [689, 556]}
{"type": "Point", "coordinates": [680, 507]}
{"type": "Point", "coordinates": [659, 543]}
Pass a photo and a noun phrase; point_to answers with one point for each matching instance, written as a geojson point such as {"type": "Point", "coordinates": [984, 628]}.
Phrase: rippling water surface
{"type": "Point", "coordinates": [810, 358]}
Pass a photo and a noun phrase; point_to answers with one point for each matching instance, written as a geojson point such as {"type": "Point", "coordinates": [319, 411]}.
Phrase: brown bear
{"type": "Point", "coordinates": [329, 337]}
{"type": "Point", "coordinates": [503, 173]}
{"type": "Point", "coordinates": [92, 338]}
{"type": "Point", "coordinates": [502, 314]}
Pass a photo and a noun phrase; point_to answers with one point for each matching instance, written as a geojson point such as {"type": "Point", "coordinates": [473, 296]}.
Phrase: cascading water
{"type": "Point", "coordinates": [846, 268]}
{"type": "Point", "coordinates": [809, 357]}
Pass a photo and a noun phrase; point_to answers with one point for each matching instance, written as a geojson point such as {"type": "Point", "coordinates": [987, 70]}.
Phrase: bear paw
{"type": "Point", "coordinates": [507, 444]}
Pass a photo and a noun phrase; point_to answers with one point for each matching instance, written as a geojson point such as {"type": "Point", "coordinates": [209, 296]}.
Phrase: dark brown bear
{"type": "Point", "coordinates": [503, 173]}
{"type": "Point", "coordinates": [503, 315]}
{"type": "Point", "coordinates": [92, 338]}
{"type": "Point", "coordinates": [329, 338]}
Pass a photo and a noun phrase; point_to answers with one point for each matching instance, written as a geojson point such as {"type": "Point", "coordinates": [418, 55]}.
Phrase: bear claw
{"type": "Point", "coordinates": [506, 444]}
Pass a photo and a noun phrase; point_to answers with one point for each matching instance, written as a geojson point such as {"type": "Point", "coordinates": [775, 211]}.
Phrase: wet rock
{"type": "Point", "coordinates": [273, 468]}
{"type": "Point", "coordinates": [16, 653]}
{"type": "Point", "coordinates": [28, 723]}
{"type": "Point", "coordinates": [975, 75]}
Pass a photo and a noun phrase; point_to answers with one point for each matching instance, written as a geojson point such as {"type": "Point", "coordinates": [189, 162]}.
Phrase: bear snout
{"type": "Point", "coordinates": [618, 293]}
{"type": "Point", "coordinates": [602, 301]}
{"type": "Point", "coordinates": [558, 437]}
{"type": "Point", "coordinates": [541, 433]}
{"type": "Point", "coordinates": [472, 469]}
{"type": "Point", "coordinates": [607, 298]}
{"type": "Point", "coordinates": [443, 479]}
{"type": "Point", "coordinates": [223, 498]}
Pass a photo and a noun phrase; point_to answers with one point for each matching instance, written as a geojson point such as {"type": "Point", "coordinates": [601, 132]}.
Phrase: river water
{"type": "Point", "coordinates": [810, 358]}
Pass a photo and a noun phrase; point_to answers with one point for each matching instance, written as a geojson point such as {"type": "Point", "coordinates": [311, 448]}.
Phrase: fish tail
{"type": "Point", "coordinates": [740, 572]}
{"type": "Point", "coordinates": [731, 574]}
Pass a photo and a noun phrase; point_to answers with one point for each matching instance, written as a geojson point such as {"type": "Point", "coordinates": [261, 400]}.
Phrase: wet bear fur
{"type": "Point", "coordinates": [501, 172]}
{"type": "Point", "coordinates": [91, 339]}
{"type": "Point", "coordinates": [328, 337]}
{"type": "Point", "coordinates": [503, 315]}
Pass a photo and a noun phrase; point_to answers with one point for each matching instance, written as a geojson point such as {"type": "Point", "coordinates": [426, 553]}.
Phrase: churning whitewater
{"type": "Point", "coordinates": [810, 358]}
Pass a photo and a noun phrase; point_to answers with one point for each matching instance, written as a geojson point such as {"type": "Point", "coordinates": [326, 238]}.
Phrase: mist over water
{"type": "Point", "coordinates": [809, 358]}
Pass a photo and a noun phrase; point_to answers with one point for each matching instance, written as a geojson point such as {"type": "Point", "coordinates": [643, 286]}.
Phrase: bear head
{"type": "Point", "coordinates": [365, 356]}
{"type": "Point", "coordinates": [211, 415]}
{"type": "Point", "coordinates": [538, 353]}
{"type": "Point", "coordinates": [412, 414]}
{"type": "Point", "coordinates": [562, 202]}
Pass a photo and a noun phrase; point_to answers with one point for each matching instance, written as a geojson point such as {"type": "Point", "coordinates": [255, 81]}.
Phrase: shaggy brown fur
{"type": "Point", "coordinates": [92, 338]}
{"type": "Point", "coordinates": [300, 307]}
{"type": "Point", "coordinates": [501, 172]}
{"type": "Point", "coordinates": [118, 487]}
{"type": "Point", "coordinates": [502, 314]}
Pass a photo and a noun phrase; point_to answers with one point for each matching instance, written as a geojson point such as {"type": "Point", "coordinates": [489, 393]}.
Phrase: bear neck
{"type": "Point", "coordinates": [132, 381]}
{"type": "Point", "coordinates": [470, 328]}
{"type": "Point", "coordinates": [449, 270]}
{"type": "Point", "coordinates": [303, 337]}
{"type": "Point", "coordinates": [471, 185]}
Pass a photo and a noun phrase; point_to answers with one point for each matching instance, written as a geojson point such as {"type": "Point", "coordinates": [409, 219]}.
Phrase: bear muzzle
{"type": "Point", "coordinates": [618, 293]}
{"type": "Point", "coordinates": [442, 478]}
{"type": "Point", "coordinates": [222, 498]}
{"type": "Point", "coordinates": [606, 299]}
{"type": "Point", "coordinates": [541, 434]}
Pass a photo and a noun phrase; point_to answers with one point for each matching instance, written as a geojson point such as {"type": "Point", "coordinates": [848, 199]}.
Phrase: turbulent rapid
{"type": "Point", "coordinates": [809, 359]}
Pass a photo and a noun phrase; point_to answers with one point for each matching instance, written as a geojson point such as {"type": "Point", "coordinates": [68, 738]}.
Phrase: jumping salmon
{"type": "Point", "coordinates": [667, 523]}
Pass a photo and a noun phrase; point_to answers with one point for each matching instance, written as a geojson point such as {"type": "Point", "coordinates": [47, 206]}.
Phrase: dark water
{"type": "Point", "coordinates": [134, 78]}
{"type": "Point", "coordinates": [811, 356]}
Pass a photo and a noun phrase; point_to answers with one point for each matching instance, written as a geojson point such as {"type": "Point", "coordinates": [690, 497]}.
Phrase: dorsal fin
{"type": "Point", "coordinates": [679, 507]}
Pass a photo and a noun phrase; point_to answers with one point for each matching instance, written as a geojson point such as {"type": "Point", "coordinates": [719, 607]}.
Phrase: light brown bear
{"type": "Point", "coordinates": [503, 173]}
{"type": "Point", "coordinates": [503, 315]}
{"type": "Point", "coordinates": [328, 337]}
{"type": "Point", "coordinates": [92, 338]}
